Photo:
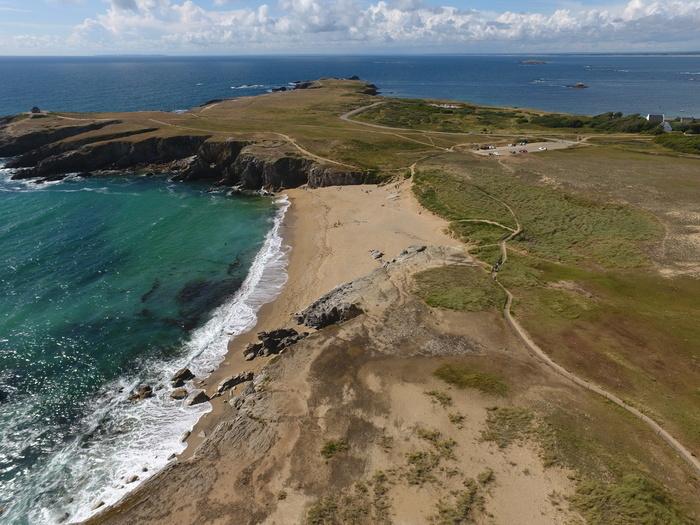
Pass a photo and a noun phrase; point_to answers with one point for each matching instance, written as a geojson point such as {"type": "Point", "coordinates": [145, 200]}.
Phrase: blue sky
{"type": "Point", "coordinates": [84, 27]}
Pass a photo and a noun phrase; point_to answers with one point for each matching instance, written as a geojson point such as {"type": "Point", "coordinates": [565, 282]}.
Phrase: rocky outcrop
{"type": "Point", "coordinates": [197, 397]}
{"type": "Point", "coordinates": [13, 145]}
{"type": "Point", "coordinates": [118, 155]}
{"type": "Point", "coordinates": [179, 393]}
{"type": "Point", "coordinates": [182, 375]}
{"type": "Point", "coordinates": [231, 381]}
{"type": "Point", "coordinates": [337, 306]}
{"type": "Point", "coordinates": [235, 163]}
{"type": "Point", "coordinates": [253, 172]}
{"type": "Point", "coordinates": [35, 156]}
{"type": "Point", "coordinates": [273, 342]}
{"type": "Point", "coordinates": [212, 160]}
{"type": "Point", "coordinates": [370, 89]}
{"type": "Point", "coordinates": [141, 392]}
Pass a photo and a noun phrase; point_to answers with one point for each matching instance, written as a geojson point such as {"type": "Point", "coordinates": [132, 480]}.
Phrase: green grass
{"type": "Point", "coordinates": [420, 467]}
{"type": "Point", "coordinates": [440, 397]}
{"type": "Point", "coordinates": [443, 447]}
{"type": "Point", "coordinates": [557, 225]}
{"type": "Point", "coordinates": [428, 115]}
{"type": "Point", "coordinates": [464, 288]}
{"type": "Point", "coordinates": [365, 503]}
{"type": "Point", "coordinates": [463, 507]}
{"type": "Point", "coordinates": [608, 122]}
{"type": "Point", "coordinates": [333, 447]}
{"type": "Point", "coordinates": [680, 142]}
{"type": "Point", "coordinates": [631, 332]}
{"type": "Point", "coordinates": [634, 500]}
{"type": "Point", "coordinates": [464, 377]}
{"type": "Point", "coordinates": [507, 425]}
{"type": "Point", "coordinates": [486, 476]}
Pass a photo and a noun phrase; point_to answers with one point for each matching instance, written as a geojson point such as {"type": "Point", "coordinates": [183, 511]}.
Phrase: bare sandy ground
{"type": "Point", "coordinates": [368, 383]}
{"type": "Point", "coordinates": [331, 232]}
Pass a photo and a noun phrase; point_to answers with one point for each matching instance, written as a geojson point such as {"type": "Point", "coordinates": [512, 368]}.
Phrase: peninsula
{"type": "Point", "coordinates": [491, 314]}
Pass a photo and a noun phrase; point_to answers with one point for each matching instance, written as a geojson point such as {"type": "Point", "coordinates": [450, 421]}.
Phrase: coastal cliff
{"type": "Point", "coordinates": [187, 157]}
{"type": "Point", "coordinates": [197, 145]}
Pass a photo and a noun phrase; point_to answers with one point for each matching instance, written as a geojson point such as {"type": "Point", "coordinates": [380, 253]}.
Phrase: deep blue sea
{"type": "Point", "coordinates": [629, 83]}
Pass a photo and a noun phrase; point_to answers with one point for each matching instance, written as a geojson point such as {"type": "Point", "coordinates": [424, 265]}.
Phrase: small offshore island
{"type": "Point", "coordinates": [490, 314]}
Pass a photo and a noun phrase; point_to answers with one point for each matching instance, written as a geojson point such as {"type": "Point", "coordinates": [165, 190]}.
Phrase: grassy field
{"type": "Point", "coordinates": [459, 288]}
{"type": "Point", "coordinates": [599, 224]}
{"type": "Point", "coordinates": [462, 117]}
{"type": "Point", "coordinates": [584, 275]}
{"type": "Point", "coordinates": [679, 142]}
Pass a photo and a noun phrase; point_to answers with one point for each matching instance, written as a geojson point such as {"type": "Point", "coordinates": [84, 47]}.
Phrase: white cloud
{"type": "Point", "coordinates": [346, 25]}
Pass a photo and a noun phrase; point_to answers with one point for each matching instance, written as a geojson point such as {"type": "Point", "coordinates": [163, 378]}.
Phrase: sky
{"type": "Point", "coordinates": [233, 27]}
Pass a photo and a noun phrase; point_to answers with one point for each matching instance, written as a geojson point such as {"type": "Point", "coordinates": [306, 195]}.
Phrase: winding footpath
{"type": "Point", "coordinates": [522, 334]}
{"type": "Point", "coordinates": [525, 337]}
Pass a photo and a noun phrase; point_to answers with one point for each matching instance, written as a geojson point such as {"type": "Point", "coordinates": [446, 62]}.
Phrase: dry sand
{"type": "Point", "coordinates": [331, 232]}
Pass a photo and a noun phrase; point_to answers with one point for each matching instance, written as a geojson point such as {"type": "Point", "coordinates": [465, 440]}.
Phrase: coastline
{"type": "Point", "coordinates": [329, 233]}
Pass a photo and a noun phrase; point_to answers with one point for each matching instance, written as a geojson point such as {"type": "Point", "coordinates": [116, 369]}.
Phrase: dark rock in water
{"type": "Point", "coordinates": [283, 88]}
{"type": "Point", "coordinates": [3, 397]}
{"type": "Point", "coordinates": [303, 85]}
{"type": "Point", "coordinates": [232, 381]}
{"type": "Point", "coordinates": [232, 267]}
{"type": "Point", "coordinates": [145, 297]}
{"type": "Point", "coordinates": [370, 89]}
{"type": "Point", "coordinates": [64, 518]}
{"type": "Point", "coordinates": [182, 375]}
{"type": "Point", "coordinates": [179, 393]}
{"type": "Point", "coordinates": [197, 397]}
{"type": "Point", "coordinates": [354, 77]}
{"type": "Point", "coordinates": [141, 392]}
{"type": "Point", "coordinates": [212, 101]}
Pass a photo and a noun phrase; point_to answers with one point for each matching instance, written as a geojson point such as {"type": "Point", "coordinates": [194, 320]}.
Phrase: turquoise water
{"type": "Point", "coordinates": [107, 283]}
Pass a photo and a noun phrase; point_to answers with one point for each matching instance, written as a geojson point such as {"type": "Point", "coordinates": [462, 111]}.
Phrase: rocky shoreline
{"type": "Point", "coordinates": [231, 163]}
{"type": "Point", "coordinates": [55, 146]}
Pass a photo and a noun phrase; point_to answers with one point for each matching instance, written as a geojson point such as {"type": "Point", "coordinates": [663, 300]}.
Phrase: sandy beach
{"type": "Point", "coordinates": [331, 232]}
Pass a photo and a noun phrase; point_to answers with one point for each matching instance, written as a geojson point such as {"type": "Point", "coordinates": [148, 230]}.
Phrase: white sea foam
{"type": "Point", "coordinates": [249, 86]}
{"type": "Point", "coordinates": [121, 439]}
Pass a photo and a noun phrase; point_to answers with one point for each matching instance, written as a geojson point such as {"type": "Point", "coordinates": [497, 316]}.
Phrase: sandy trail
{"type": "Point", "coordinates": [527, 339]}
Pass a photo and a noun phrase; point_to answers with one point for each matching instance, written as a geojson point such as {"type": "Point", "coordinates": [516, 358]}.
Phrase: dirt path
{"type": "Point", "coordinates": [286, 138]}
{"type": "Point", "coordinates": [688, 456]}
{"type": "Point", "coordinates": [551, 143]}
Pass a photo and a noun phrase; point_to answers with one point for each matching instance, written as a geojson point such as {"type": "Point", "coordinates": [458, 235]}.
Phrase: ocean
{"type": "Point", "coordinates": [105, 284]}
{"type": "Point", "coordinates": [667, 84]}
